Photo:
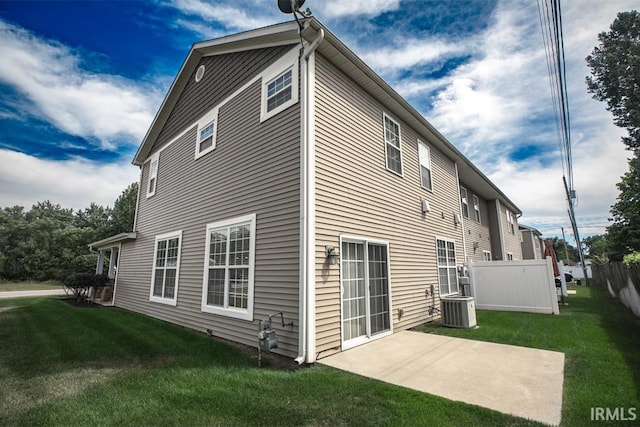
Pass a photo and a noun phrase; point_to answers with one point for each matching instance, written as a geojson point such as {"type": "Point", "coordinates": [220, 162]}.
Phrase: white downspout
{"type": "Point", "coordinates": [501, 231]}
{"type": "Point", "coordinates": [464, 240]}
{"type": "Point", "coordinates": [306, 330]}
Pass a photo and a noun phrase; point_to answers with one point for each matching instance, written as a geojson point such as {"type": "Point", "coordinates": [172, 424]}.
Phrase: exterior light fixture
{"type": "Point", "coordinates": [331, 254]}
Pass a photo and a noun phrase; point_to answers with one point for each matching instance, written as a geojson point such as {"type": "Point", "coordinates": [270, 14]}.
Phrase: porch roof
{"type": "Point", "coordinates": [112, 241]}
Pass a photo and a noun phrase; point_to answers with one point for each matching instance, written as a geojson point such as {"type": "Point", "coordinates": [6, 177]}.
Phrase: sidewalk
{"type": "Point", "coordinates": [40, 293]}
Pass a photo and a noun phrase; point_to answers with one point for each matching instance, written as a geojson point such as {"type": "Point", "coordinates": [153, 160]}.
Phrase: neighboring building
{"type": "Point", "coordinates": [531, 242]}
{"type": "Point", "coordinates": [280, 179]}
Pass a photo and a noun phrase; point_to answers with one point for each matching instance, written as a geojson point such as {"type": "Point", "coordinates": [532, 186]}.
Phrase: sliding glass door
{"type": "Point", "coordinates": [364, 291]}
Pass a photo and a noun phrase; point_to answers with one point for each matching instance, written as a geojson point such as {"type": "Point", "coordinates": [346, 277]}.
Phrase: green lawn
{"type": "Point", "coordinates": [601, 341]}
{"type": "Point", "coordinates": [6, 286]}
{"type": "Point", "coordinates": [62, 365]}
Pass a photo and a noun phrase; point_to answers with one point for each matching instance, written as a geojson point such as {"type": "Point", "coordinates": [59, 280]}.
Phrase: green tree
{"type": "Point", "coordinates": [624, 233]}
{"type": "Point", "coordinates": [597, 248]}
{"type": "Point", "coordinates": [559, 247]}
{"type": "Point", "coordinates": [615, 79]}
{"type": "Point", "coordinates": [124, 210]}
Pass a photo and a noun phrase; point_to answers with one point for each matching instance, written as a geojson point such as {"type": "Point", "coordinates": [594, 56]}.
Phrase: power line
{"type": "Point", "coordinates": [550, 13]}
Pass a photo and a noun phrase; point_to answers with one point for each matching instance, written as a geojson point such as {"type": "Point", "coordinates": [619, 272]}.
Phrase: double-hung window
{"type": "Point", "coordinates": [152, 179]}
{"type": "Point", "coordinates": [486, 256]}
{"type": "Point", "coordinates": [476, 208]}
{"type": "Point", "coordinates": [228, 270]}
{"type": "Point", "coordinates": [393, 148]}
{"type": "Point", "coordinates": [424, 156]}
{"type": "Point", "coordinates": [510, 224]}
{"type": "Point", "coordinates": [207, 132]}
{"type": "Point", "coordinates": [447, 270]}
{"type": "Point", "coordinates": [166, 266]}
{"type": "Point", "coordinates": [464, 202]}
{"type": "Point", "coordinates": [279, 91]}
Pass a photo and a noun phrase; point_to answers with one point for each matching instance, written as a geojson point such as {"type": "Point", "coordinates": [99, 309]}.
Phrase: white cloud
{"type": "Point", "coordinates": [25, 180]}
{"type": "Point", "coordinates": [500, 100]}
{"type": "Point", "coordinates": [410, 53]}
{"type": "Point", "coordinates": [338, 8]}
{"type": "Point", "coordinates": [77, 101]}
{"type": "Point", "coordinates": [232, 17]}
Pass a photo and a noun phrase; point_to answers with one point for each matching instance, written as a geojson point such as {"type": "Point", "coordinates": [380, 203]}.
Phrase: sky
{"type": "Point", "coordinates": [81, 81]}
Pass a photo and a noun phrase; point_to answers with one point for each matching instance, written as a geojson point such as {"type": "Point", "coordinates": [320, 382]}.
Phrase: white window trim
{"type": "Point", "coordinates": [484, 256]}
{"type": "Point", "coordinates": [465, 203]}
{"type": "Point", "coordinates": [510, 223]}
{"type": "Point", "coordinates": [510, 256]}
{"type": "Point", "coordinates": [169, 301]}
{"type": "Point", "coordinates": [423, 144]}
{"type": "Point", "coordinates": [155, 158]}
{"type": "Point", "coordinates": [231, 311]}
{"type": "Point", "coordinates": [455, 266]}
{"type": "Point", "coordinates": [268, 78]}
{"type": "Point", "coordinates": [476, 209]}
{"type": "Point", "coordinates": [210, 118]}
{"type": "Point", "coordinates": [386, 144]}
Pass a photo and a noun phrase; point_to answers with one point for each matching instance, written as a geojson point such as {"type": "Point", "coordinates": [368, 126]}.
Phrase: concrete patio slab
{"type": "Point", "coordinates": [520, 381]}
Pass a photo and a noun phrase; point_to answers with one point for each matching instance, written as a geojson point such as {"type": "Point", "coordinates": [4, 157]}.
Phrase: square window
{"type": "Point", "coordinates": [279, 92]}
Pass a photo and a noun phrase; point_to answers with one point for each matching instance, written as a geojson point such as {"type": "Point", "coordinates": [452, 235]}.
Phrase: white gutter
{"type": "Point", "coordinates": [306, 330]}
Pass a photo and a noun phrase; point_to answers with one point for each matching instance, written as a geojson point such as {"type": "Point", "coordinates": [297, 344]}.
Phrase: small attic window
{"type": "Point", "coordinates": [199, 73]}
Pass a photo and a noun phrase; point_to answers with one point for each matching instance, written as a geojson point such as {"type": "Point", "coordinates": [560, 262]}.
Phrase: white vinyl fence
{"type": "Point", "coordinates": [526, 285]}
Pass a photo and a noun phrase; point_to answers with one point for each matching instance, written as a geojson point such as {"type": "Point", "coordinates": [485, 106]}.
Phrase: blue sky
{"type": "Point", "coordinates": [80, 83]}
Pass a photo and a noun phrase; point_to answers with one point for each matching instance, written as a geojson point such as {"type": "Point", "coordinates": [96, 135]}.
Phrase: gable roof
{"type": "Point", "coordinates": [342, 57]}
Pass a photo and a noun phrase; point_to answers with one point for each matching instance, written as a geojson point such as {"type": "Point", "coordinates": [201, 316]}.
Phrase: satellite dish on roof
{"type": "Point", "coordinates": [293, 7]}
{"type": "Point", "coordinates": [290, 6]}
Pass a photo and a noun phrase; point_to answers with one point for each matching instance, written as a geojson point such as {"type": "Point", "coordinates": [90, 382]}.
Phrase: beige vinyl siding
{"type": "Point", "coordinates": [254, 169]}
{"type": "Point", "coordinates": [357, 195]}
{"type": "Point", "coordinates": [475, 232]}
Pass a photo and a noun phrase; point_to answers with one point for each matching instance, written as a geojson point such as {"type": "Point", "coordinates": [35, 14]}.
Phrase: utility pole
{"type": "Point", "coordinates": [574, 224]}
{"type": "Point", "coordinates": [566, 252]}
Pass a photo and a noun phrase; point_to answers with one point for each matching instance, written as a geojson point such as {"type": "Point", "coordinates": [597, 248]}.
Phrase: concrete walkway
{"type": "Point", "coordinates": [40, 293]}
{"type": "Point", "coordinates": [513, 380]}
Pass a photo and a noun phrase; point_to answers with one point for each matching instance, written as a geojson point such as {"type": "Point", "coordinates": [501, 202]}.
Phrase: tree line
{"type": "Point", "coordinates": [615, 79]}
{"type": "Point", "coordinates": [49, 242]}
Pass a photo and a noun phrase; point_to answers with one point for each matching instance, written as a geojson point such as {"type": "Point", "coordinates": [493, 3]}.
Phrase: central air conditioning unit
{"type": "Point", "coordinates": [458, 312]}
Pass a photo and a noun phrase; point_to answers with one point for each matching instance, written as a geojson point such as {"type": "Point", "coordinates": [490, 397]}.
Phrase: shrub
{"type": "Point", "coordinates": [80, 283]}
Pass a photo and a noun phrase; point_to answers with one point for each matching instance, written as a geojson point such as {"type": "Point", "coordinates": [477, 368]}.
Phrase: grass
{"type": "Point", "coordinates": [6, 286]}
{"type": "Point", "coordinates": [601, 342]}
{"type": "Point", "coordinates": [65, 365]}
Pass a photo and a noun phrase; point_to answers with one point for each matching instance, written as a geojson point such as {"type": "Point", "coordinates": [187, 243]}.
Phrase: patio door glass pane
{"type": "Point", "coordinates": [378, 288]}
{"type": "Point", "coordinates": [353, 291]}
